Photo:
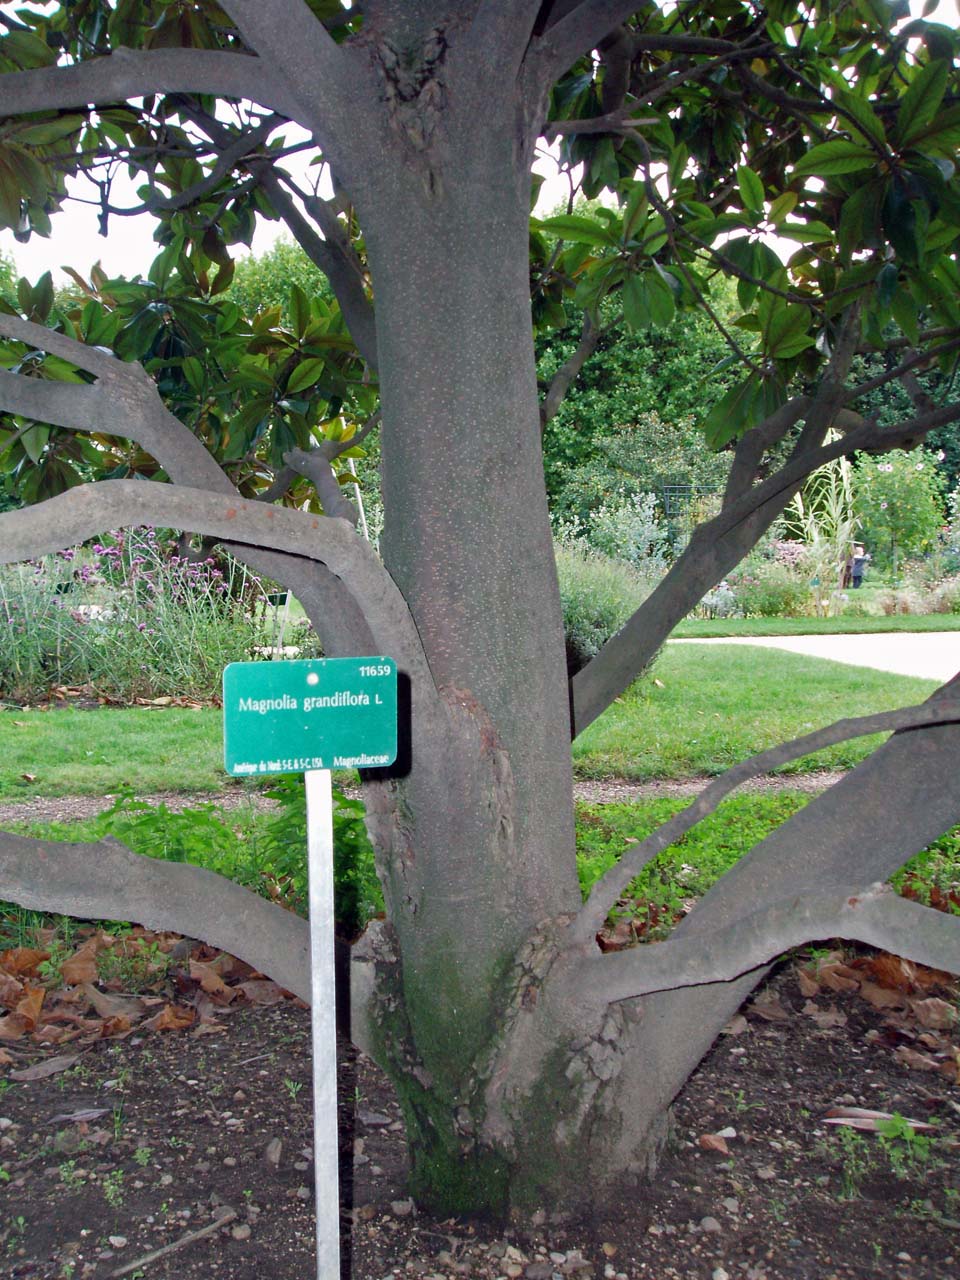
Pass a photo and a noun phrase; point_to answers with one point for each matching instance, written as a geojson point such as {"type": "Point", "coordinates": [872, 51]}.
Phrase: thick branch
{"type": "Point", "coordinates": [314, 465]}
{"type": "Point", "coordinates": [562, 380]}
{"type": "Point", "coordinates": [128, 73]}
{"type": "Point", "coordinates": [714, 549]}
{"type": "Point", "coordinates": [576, 33]}
{"type": "Point", "coordinates": [876, 917]}
{"type": "Point", "coordinates": [107, 881]}
{"type": "Point", "coordinates": [608, 889]}
{"type": "Point", "coordinates": [319, 76]}
{"type": "Point", "coordinates": [123, 402]}
{"type": "Point", "coordinates": [754, 443]}
{"type": "Point", "coordinates": [88, 510]}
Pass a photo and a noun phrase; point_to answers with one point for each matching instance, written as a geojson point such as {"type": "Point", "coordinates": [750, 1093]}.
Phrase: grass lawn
{"type": "Point", "coordinates": [710, 709]}
{"type": "Point", "coordinates": [705, 628]}
{"type": "Point", "coordinates": [702, 709]}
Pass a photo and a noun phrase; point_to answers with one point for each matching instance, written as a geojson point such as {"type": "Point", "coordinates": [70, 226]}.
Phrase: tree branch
{"type": "Point", "coordinates": [577, 32]}
{"type": "Point", "coordinates": [318, 76]}
{"type": "Point", "coordinates": [107, 881]}
{"type": "Point", "coordinates": [124, 402]}
{"type": "Point", "coordinates": [88, 510]}
{"type": "Point", "coordinates": [608, 889]}
{"type": "Point", "coordinates": [128, 73]}
{"type": "Point", "coordinates": [875, 916]}
{"type": "Point", "coordinates": [563, 379]}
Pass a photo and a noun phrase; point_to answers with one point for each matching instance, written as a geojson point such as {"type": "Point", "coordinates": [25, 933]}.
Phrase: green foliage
{"type": "Point", "coordinates": [628, 423]}
{"type": "Point", "coordinates": [598, 595]}
{"type": "Point", "coordinates": [130, 618]}
{"type": "Point", "coordinates": [687, 869]}
{"type": "Point", "coordinates": [900, 504]}
{"type": "Point", "coordinates": [266, 853]}
{"type": "Point", "coordinates": [767, 589]}
{"type": "Point", "coordinates": [264, 282]}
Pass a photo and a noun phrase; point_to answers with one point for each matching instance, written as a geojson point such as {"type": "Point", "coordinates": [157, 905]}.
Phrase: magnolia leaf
{"type": "Point", "coordinates": [835, 157]}
{"type": "Point", "coordinates": [919, 104]}
{"type": "Point", "coordinates": [573, 226]}
{"type": "Point", "coordinates": [751, 188]}
{"type": "Point", "coordinates": [305, 375]}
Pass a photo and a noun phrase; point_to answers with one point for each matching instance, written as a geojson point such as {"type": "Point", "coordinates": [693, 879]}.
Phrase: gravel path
{"type": "Point", "coordinates": [592, 791]}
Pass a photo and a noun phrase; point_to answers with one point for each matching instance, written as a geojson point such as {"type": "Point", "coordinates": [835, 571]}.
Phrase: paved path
{"type": "Point", "coordinates": [934, 655]}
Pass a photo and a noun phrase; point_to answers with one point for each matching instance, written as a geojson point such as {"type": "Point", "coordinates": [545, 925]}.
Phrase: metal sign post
{"type": "Point", "coordinates": [308, 717]}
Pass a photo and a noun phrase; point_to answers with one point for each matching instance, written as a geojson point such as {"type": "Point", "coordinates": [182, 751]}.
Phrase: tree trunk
{"type": "Point", "coordinates": [475, 839]}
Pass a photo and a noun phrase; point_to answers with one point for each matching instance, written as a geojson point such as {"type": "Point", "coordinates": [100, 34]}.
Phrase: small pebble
{"type": "Point", "coordinates": [241, 1231]}
{"type": "Point", "coordinates": [710, 1224]}
{"type": "Point", "coordinates": [402, 1208]}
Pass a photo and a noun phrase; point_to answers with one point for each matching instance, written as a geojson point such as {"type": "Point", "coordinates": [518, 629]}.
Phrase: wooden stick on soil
{"type": "Point", "coordinates": [182, 1243]}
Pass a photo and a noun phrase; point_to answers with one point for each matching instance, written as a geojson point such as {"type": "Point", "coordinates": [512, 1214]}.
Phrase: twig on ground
{"type": "Point", "coordinates": [228, 1216]}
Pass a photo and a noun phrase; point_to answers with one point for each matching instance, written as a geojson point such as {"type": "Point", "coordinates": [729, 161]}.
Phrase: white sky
{"type": "Point", "coordinates": [75, 240]}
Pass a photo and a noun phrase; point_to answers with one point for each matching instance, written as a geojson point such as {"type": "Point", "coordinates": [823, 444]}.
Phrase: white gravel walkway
{"type": "Point", "coordinates": [933, 655]}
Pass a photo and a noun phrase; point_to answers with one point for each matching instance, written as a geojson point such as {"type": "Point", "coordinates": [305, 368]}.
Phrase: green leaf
{"type": "Point", "coordinates": [868, 123]}
{"type": "Point", "coordinates": [45, 132]}
{"type": "Point", "coordinates": [835, 157]}
{"type": "Point", "coordinates": [906, 313]}
{"type": "Point", "coordinates": [734, 413]}
{"type": "Point", "coordinates": [299, 307]}
{"type": "Point", "coordinates": [751, 188]}
{"type": "Point", "coordinates": [782, 207]}
{"type": "Point", "coordinates": [919, 104]}
{"type": "Point", "coordinates": [574, 226]}
{"type": "Point", "coordinates": [785, 333]}
{"type": "Point", "coordinates": [636, 307]}
{"type": "Point", "coordinates": [305, 375]}
{"type": "Point", "coordinates": [34, 441]}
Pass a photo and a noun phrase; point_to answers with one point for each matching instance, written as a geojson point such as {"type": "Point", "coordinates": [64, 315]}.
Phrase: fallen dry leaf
{"type": "Point", "coordinates": [261, 991]}
{"type": "Point", "coordinates": [29, 1005]}
{"type": "Point", "coordinates": [22, 962]}
{"type": "Point", "coordinates": [211, 982]}
{"type": "Point", "coordinates": [937, 1014]}
{"type": "Point", "coordinates": [12, 1027]}
{"type": "Point", "coordinates": [829, 1017]}
{"type": "Point", "coordinates": [713, 1142]}
{"type": "Point", "coordinates": [882, 997]}
{"type": "Point", "coordinates": [171, 1018]}
{"type": "Point", "coordinates": [770, 1009]}
{"type": "Point", "coordinates": [736, 1026]}
{"type": "Point", "coordinates": [49, 1067]}
{"type": "Point", "coordinates": [864, 1118]}
{"type": "Point", "coordinates": [808, 986]}
{"type": "Point", "coordinates": [111, 1006]}
{"type": "Point", "coordinates": [916, 1061]}
{"type": "Point", "coordinates": [838, 977]}
{"type": "Point", "coordinates": [10, 989]}
{"type": "Point", "coordinates": [81, 967]}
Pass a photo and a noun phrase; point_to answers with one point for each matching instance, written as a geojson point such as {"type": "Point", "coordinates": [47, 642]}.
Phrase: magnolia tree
{"type": "Point", "coordinates": [805, 151]}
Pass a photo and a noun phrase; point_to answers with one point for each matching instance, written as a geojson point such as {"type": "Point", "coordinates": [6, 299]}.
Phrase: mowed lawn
{"type": "Point", "coordinates": [700, 710]}
{"type": "Point", "coordinates": [703, 708]}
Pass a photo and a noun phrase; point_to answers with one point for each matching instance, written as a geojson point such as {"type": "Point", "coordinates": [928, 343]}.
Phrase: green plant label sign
{"type": "Point", "coordinates": [324, 713]}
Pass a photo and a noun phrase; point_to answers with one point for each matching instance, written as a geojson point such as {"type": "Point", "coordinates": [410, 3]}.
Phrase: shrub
{"type": "Point", "coordinates": [130, 619]}
{"type": "Point", "coordinates": [627, 529]}
{"type": "Point", "coordinates": [769, 590]}
{"type": "Point", "coordinates": [598, 596]}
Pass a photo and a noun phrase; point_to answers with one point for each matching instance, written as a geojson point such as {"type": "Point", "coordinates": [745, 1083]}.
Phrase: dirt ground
{"type": "Point", "coordinates": [179, 1154]}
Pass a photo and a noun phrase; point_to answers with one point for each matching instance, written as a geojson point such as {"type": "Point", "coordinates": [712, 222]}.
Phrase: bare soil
{"type": "Point", "coordinates": [148, 1139]}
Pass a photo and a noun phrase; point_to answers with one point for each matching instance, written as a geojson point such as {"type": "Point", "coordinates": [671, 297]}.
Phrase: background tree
{"type": "Point", "coordinates": [900, 504]}
{"type": "Point", "coordinates": [529, 1065]}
